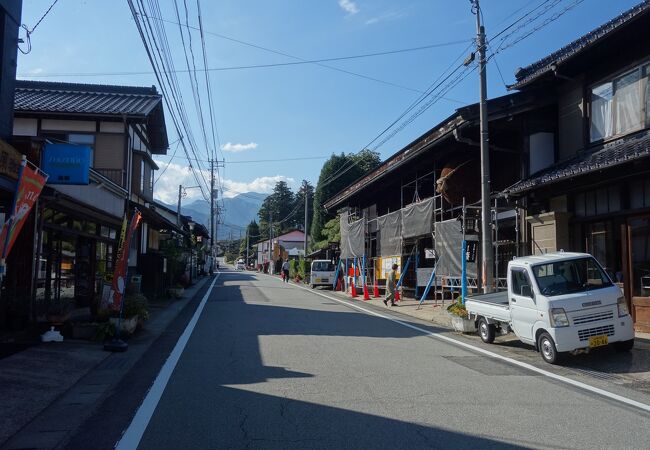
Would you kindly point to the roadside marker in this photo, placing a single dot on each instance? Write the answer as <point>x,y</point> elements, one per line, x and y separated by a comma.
<point>578,384</point>
<point>133,434</point>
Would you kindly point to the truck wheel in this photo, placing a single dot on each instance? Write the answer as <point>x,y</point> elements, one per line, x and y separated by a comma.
<point>311,286</point>
<point>547,348</point>
<point>486,331</point>
<point>624,346</point>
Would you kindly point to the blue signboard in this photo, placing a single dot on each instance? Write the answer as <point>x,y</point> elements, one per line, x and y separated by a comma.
<point>66,163</point>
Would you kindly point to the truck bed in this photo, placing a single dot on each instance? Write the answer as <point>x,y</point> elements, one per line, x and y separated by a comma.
<point>493,306</point>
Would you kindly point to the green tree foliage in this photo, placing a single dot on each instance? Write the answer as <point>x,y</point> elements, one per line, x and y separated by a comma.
<point>306,189</point>
<point>331,232</point>
<point>337,173</point>
<point>280,207</point>
<point>253,231</point>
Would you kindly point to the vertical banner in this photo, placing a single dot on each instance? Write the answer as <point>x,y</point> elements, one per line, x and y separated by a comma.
<point>121,266</point>
<point>30,185</point>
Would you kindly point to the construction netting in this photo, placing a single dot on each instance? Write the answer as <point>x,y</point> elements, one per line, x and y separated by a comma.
<point>353,238</point>
<point>390,234</point>
<point>449,242</point>
<point>417,218</point>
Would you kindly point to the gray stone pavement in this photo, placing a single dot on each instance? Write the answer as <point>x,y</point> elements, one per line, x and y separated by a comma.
<point>48,390</point>
<point>601,368</point>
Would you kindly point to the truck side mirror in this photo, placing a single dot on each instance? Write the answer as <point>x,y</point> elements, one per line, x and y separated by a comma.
<point>526,291</point>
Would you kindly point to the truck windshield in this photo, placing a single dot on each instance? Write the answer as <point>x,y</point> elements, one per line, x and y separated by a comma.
<point>573,275</point>
<point>323,266</point>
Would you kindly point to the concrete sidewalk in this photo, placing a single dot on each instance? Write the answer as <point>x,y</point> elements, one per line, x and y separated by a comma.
<point>48,390</point>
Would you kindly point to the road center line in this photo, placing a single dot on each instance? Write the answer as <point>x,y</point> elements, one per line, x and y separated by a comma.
<point>133,434</point>
<point>546,373</point>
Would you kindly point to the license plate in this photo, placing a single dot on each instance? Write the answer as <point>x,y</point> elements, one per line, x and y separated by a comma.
<point>598,341</point>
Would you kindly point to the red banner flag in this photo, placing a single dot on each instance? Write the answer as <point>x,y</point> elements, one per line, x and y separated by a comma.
<point>30,185</point>
<point>121,266</point>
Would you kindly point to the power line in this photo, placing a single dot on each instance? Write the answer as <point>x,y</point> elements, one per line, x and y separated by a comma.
<point>28,32</point>
<point>260,66</point>
<point>167,85</point>
<point>168,163</point>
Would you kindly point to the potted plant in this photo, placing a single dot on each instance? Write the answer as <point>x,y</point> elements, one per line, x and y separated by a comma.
<point>176,291</point>
<point>460,320</point>
<point>135,311</point>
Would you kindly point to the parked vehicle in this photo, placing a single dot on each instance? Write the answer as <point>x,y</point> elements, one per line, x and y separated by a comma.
<point>322,273</point>
<point>240,265</point>
<point>558,302</point>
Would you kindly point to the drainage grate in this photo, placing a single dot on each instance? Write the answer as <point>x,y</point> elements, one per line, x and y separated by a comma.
<point>489,366</point>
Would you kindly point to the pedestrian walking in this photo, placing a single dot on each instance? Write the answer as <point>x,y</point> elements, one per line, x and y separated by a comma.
<point>390,286</point>
<point>285,270</point>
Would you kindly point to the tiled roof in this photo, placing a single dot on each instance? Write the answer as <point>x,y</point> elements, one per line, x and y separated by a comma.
<point>609,155</point>
<point>539,68</point>
<point>72,98</point>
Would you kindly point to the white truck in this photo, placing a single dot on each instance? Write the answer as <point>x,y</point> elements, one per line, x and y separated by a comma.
<point>558,302</point>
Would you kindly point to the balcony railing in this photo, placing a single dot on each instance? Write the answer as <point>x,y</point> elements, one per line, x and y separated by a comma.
<point>117,176</point>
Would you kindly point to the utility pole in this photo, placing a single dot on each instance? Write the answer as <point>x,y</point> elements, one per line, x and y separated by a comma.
<point>246,246</point>
<point>270,238</point>
<point>486,223</point>
<point>178,211</point>
<point>212,235</point>
<point>306,204</point>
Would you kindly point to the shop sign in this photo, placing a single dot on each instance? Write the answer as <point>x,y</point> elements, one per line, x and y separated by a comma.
<point>470,251</point>
<point>67,163</point>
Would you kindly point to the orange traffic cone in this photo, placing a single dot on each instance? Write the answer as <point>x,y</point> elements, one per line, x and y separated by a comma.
<point>375,291</point>
<point>353,290</point>
<point>397,298</point>
<point>366,294</point>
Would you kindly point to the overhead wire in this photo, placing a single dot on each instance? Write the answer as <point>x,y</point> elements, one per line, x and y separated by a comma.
<point>462,76</point>
<point>166,86</point>
<point>168,60</point>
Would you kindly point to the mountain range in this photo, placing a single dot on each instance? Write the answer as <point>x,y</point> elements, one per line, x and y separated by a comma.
<point>237,213</point>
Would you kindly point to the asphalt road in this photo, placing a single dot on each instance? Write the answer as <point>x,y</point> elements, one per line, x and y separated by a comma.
<point>270,365</point>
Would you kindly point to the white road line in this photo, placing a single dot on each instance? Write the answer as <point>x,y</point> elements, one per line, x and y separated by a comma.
<point>546,373</point>
<point>133,434</point>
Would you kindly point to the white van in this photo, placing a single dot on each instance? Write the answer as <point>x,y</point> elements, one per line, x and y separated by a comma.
<point>322,273</point>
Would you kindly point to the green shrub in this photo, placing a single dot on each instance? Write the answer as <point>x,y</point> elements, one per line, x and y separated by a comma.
<point>293,268</point>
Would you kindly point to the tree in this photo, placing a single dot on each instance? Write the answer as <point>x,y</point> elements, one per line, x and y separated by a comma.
<point>281,207</point>
<point>331,232</point>
<point>253,231</point>
<point>306,189</point>
<point>337,173</point>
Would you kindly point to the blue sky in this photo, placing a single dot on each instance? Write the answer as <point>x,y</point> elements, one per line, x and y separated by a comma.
<point>296,111</point>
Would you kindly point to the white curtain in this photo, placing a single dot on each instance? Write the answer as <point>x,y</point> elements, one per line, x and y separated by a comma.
<point>628,102</point>
<point>602,125</point>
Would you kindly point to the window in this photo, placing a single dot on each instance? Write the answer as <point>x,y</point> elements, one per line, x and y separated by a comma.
<point>596,202</point>
<point>620,105</point>
<point>85,140</point>
<point>574,275</point>
<point>142,183</point>
<point>640,194</point>
<point>519,280</point>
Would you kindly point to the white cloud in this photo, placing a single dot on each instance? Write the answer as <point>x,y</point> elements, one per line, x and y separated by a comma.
<point>236,148</point>
<point>262,184</point>
<point>166,188</point>
<point>349,6</point>
<point>387,16</point>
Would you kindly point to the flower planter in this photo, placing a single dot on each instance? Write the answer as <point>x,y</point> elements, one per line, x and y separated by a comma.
<point>462,324</point>
<point>128,324</point>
